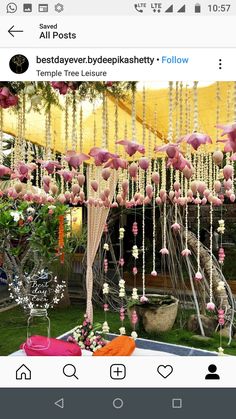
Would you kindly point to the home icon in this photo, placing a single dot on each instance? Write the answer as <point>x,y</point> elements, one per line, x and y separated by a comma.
<point>23,373</point>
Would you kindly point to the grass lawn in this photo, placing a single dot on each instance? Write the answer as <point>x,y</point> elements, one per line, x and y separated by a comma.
<point>13,329</point>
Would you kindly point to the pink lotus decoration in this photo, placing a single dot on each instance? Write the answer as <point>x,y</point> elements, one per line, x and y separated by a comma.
<point>131,147</point>
<point>101,155</point>
<point>198,276</point>
<point>154,273</point>
<point>230,141</point>
<point>164,251</point>
<point>75,159</point>
<point>61,86</point>
<point>196,139</point>
<point>144,163</point>
<point>171,149</point>
<point>143,299</point>
<point>176,227</point>
<point>178,162</point>
<point>46,183</point>
<point>210,306</point>
<point>66,174</point>
<point>229,130</point>
<point>116,163</point>
<point>7,99</point>
<point>4,170</point>
<point>23,171</point>
<point>186,252</point>
<point>50,165</point>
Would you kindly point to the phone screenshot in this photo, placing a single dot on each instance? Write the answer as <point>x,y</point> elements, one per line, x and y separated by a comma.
<point>117,209</point>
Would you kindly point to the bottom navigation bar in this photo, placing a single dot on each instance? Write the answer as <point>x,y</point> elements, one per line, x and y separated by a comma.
<point>126,403</point>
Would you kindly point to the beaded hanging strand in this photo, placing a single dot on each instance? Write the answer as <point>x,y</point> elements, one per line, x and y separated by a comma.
<point>1,135</point>
<point>163,193</point>
<point>74,117</point>
<point>121,269</point>
<point>154,272</point>
<point>142,176</point>
<point>106,288</point>
<point>198,275</point>
<point>186,251</point>
<point>135,251</point>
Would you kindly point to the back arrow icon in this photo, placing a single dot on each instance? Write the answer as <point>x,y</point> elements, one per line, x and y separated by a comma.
<point>60,403</point>
<point>12,30</point>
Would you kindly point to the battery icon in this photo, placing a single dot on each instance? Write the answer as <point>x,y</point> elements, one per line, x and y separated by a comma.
<point>197,8</point>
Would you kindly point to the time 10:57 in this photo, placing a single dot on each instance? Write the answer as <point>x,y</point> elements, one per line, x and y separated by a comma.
<point>223,8</point>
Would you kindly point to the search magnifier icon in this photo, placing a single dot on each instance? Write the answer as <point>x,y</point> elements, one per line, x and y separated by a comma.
<point>69,371</point>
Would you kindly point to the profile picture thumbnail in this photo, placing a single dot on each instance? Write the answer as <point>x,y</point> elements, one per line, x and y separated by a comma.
<point>19,64</point>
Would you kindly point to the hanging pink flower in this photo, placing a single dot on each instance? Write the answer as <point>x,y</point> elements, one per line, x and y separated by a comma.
<point>198,276</point>
<point>178,162</point>
<point>196,139</point>
<point>75,159</point>
<point>106,173</point>
<point>135,270</point>
<point>81,179</point>
<point>50,165</point>
<point>228,171</point>
<point>154,273</point>
<point>61,86</point>
<point>156,178</point>
<point>122,314</point>
<point>4,170</point>
<point>143,299</point>
<point>131,147</point>
<point>66,174</point>
<point>23,171</point>
<point>116,163</point>
<point>221,255</point>
<point>94,185</point>
<point>121,261</point>
<point>133,170</point>
<point>221,317</point>
<point>106,307</point>
<point>176,227</point>
<point>101,155</point>
<point>186,252</point>
<point>135,228</point>
<point>7,99</point>
<point>171,149</point>
<point>46,183</point>
<point>134,318</point>
<point>230,141</point>
<point>229,130</point>
<point>218,157</point>
<point>164,251</point>
<point>210,306</point>
<point>144,163</point>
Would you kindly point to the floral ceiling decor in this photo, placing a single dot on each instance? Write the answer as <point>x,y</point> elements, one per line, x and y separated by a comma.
<point>180,173</point>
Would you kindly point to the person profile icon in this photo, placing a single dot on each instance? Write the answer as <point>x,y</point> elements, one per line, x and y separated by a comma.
<point>212,370</point>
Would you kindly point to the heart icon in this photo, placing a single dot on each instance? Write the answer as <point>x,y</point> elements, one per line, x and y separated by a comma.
<point>165,370</point>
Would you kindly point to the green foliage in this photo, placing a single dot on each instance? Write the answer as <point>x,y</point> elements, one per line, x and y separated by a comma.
<point>34,227</point>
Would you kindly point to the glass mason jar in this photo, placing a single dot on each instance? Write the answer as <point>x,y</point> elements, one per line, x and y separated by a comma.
<point>38,325</point>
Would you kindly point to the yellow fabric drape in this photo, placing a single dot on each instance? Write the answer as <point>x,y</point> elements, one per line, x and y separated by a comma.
<point>156,99</point>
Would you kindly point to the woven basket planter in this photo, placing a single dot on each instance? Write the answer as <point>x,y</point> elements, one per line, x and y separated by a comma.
<point>159,318</point>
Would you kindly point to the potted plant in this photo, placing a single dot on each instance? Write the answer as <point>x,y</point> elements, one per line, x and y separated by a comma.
<point>157,314</point>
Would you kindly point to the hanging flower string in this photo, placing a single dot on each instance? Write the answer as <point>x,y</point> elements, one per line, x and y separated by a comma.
<point>106,288</point>
<point>121,270</point>
<point>61,239</point>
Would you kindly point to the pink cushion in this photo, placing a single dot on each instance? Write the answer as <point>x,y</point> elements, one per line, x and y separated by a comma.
<point>43,346</point>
